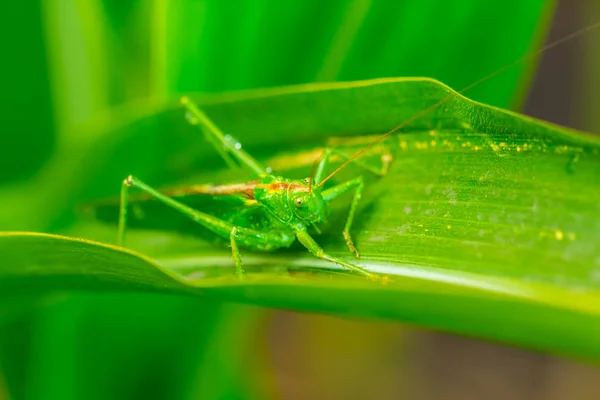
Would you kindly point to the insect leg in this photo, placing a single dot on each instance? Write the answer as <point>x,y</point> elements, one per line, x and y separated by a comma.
<point>328,152</point>
<point>320,171</point>
<point>250,238</point>
<point>317,251</point>
<point>123,212</point>
<point>336,191</point>
<point>226,141</point>
<point>237,258</point>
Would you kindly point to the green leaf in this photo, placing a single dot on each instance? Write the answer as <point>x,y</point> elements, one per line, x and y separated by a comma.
<point>487,221</point>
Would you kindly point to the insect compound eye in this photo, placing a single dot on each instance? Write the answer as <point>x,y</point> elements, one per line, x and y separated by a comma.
<point>307,180</point>
<point>298,202</point>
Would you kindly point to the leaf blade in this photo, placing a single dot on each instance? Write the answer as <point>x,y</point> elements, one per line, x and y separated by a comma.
<point>443,299</point>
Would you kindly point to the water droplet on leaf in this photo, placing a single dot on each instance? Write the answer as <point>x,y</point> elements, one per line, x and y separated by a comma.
<point>191,118</point>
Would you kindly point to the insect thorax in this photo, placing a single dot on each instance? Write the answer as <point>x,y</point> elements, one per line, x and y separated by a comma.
<point>290,201</point>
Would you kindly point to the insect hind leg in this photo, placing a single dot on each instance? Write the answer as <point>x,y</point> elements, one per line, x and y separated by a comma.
<point>250,238</point>
<point>226,145</point>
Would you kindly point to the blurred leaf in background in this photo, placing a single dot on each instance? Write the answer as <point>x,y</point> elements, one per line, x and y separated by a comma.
<point>27,117</point>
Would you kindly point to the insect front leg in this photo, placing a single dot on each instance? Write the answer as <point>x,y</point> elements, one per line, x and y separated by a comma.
<point>221,141</point>
<point>250,238</point>
<point>336,191</point>
<point>237,258</point>
<point>316,250</point>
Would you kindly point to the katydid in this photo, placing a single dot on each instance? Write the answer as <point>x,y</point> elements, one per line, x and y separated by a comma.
<point>275,211</point>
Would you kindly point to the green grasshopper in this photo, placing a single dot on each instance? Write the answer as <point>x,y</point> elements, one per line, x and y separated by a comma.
<point>275,211</point>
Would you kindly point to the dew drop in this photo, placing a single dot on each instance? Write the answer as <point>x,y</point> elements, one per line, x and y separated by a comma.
<point>191,118</point>
<point>269,170</point>
<point>559,234</point>
<point>237,145</point>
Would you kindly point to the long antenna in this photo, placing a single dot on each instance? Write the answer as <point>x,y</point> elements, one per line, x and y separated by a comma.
<point>472,85</point>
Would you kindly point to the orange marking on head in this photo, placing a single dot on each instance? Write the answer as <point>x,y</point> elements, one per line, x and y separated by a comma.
<point>276,186</point>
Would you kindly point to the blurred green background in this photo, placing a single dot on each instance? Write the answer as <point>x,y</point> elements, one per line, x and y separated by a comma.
<point>70,63</point>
